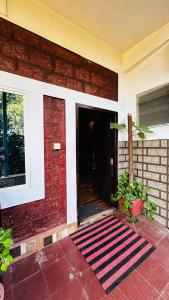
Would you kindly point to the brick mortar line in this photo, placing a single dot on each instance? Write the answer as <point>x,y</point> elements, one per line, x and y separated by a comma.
<point>167,221</point>
<point>153,179</point>
<point>158,198</point>
<point>142,163</point>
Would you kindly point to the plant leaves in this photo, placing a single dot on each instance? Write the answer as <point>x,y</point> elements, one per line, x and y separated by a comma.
<point>9,258</point>
<point>8,243</point>
<point>5,251</point>
<point>117,126</point>
<point>5,235</point>
<point>4,267</point>
<point>141,135</point>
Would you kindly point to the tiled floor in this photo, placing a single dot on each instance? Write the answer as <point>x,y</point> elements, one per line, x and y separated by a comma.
<point>59,272</point>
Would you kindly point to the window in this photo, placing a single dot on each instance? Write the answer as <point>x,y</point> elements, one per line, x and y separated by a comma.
<point>12,150</point>
<point>153,106</point>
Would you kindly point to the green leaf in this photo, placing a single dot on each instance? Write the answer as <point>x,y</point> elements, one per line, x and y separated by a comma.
<point>5,235</point>
<point>117,126</point>
<point>144,128</point>
<point>4,267</point>
<point>9,259</point>
<point>5,251</point>
<point>8,243</point>
<point>141,135</point>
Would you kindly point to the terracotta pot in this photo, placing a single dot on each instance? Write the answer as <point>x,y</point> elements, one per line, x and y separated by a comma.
<point>137,208</point>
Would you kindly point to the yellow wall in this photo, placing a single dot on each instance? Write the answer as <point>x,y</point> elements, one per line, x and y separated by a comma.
<point>145,48</point>
<point>36,17</point>
<point>3,7</point>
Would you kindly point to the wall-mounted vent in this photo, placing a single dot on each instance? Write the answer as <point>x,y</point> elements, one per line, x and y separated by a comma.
<point>153,106</point>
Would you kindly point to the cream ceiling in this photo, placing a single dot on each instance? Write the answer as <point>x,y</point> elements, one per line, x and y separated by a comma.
<point>121,23</point>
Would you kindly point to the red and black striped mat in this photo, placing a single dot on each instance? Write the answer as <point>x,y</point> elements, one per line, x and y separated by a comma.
<point>112,249</point>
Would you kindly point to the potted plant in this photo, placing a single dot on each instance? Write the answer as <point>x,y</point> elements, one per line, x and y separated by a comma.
<point>5,256</point>
<point>131,194</point>
<point>133,199</point>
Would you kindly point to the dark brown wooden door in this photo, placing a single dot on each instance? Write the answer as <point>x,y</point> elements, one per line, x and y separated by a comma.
<point>102,165</point>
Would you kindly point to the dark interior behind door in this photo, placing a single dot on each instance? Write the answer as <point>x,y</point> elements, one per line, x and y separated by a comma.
<point>97,150</point>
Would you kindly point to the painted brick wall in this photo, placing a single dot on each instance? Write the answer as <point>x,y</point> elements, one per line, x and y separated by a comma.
<point>27,54</point>
<point>35,217</point>
<point>151,166</point>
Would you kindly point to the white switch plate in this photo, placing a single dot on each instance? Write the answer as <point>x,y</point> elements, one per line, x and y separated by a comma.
<point>57,146</point>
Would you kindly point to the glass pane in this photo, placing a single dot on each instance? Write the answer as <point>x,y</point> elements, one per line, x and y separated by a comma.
<point>154,106</point>
<point>12,152</point>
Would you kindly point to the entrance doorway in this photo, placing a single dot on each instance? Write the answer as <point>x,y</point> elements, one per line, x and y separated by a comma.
<point>96,160</point>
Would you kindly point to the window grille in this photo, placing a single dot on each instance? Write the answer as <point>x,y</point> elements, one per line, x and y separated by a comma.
<point>153,106</point>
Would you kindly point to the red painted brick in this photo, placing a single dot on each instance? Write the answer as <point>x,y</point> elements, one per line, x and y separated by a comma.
<point>57,79</point>
<point>55,132</point>
<point>40,59</point>
<point>35,217</point>
<point>99,80</point>
<point>14,50</point>
<point>55,116</point>
<point>7,64</point>
<point>6,28</point>
<point>48,47</point>
<point>69,56</point>
<point>106,93</point>
<point>49,56</point>
<point>17,48</point>
<point>26,37</point>
<point>64,68</point>
<point>60,52</point>
<point>82,74</point>
<point>90,89</point>
<point>30,71</point>
<point>19,44</point>
<point>74,85</point>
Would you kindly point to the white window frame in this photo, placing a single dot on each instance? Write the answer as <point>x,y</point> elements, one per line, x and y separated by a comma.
<point>27,177</point>
<point>33,189</point>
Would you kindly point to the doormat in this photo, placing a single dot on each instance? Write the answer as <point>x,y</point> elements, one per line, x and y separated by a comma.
<point>89,209</point>
<point>112,249</point>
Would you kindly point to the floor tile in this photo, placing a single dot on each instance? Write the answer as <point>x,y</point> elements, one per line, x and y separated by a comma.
<point>87,277</point>
<point>32,288</point>
<point>77,261</point>
<point>8,294</point>
<point>7,278</point>
<point>24,268</point>
<point>72,291</point>
<point>50,254</point>
<point>116,294</point>
<point>135,287</point>
<point>154,231</point>
<point>165,293</point>
<point>58,274</point>
<point>147,267</point>
<point>165,241</point>
<point>159,278</point>
<point>67,245</point>
<point>94,290</point>
<point>161,255</point>
<point>142,223</point>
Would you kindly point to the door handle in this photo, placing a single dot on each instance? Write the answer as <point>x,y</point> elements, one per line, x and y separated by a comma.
<point>111,161</point>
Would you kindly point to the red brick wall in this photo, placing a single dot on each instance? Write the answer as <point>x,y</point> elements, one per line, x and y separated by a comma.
<point>35,217</point>
<point>27,54</point>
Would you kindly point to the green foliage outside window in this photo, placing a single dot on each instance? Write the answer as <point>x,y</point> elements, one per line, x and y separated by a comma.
<point>15,155</point>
